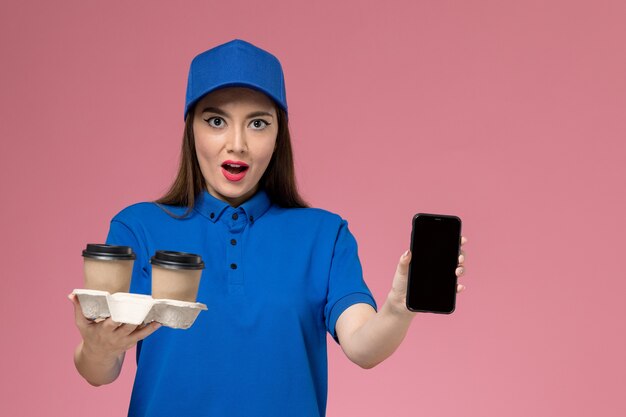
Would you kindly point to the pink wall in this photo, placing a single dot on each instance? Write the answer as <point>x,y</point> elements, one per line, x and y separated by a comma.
<point>510,114</point>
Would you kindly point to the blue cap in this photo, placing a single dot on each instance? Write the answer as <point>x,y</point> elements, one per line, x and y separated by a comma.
<point>235,64</point>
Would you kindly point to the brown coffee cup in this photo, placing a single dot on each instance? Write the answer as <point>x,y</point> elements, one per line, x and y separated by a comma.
<point>108,267</point>
<point>176,275</point>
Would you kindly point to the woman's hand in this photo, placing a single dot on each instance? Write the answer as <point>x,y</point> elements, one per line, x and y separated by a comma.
<point>400,280</point>
<point>99,356</point>
<point>107,338</point>
<point>460,270</point>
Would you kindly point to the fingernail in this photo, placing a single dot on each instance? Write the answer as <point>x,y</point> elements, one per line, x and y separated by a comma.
<point>405,254</point>
<point>69,296</point>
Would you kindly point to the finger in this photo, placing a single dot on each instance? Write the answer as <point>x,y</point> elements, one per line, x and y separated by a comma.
<point>460,271</point>
<point>460,288</point>
<point>110,325</point>
<point>463,240</point>
<point>403,265</point>
<point>81,320</point>
<point>125,329</point>
<point>461,259</point>
<point>144,332</point>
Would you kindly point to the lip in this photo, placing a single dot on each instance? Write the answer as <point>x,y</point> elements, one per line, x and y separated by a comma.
<point>228,161</point>
<point>234,177</point>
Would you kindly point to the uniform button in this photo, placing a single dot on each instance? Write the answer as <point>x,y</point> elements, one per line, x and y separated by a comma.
<point>233,266</point>
<point>212,215</point>
<point>233,242</point>
<point>235,216</point>
<point>251,219</point>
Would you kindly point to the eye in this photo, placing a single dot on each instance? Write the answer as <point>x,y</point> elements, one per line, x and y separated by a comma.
<point>218,122</point>
<point>259,124</point>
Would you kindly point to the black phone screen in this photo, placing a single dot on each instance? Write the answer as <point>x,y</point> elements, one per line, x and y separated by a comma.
<point>435,248</point>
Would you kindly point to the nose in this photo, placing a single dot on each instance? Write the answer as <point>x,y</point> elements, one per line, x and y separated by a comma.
<point>236,141</point>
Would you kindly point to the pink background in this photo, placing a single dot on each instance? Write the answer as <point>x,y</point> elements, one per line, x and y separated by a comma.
<point>509,114</point>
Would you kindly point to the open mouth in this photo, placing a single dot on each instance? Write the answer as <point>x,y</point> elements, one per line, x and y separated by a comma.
<point>234,168</point>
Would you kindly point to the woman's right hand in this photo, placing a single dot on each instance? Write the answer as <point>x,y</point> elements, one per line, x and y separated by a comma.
<point>100,355</point>
<point>108,338</point>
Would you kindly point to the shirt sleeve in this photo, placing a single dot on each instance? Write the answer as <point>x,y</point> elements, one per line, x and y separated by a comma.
<point>345,285</point>
<point>120,234</point>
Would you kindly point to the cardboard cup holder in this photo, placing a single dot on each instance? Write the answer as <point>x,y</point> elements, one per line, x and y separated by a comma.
<point>137,309</point>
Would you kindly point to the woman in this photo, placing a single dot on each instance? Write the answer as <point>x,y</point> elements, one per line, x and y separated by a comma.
<point>279,274</point>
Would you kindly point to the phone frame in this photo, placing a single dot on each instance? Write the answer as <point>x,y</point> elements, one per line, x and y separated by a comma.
<point>456,278</point>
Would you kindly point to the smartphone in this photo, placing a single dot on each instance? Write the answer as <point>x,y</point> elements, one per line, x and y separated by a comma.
<point>435,248</point>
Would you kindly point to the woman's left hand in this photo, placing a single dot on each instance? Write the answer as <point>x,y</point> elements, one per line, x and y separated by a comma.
<point>400,280</point>
<point>460,269</point>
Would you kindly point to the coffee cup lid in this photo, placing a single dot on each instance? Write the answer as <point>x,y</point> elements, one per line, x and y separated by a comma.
<point>108,252</point>
<point>177,260</point>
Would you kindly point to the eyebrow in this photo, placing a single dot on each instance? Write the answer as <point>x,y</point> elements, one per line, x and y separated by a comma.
<point>221,112</point>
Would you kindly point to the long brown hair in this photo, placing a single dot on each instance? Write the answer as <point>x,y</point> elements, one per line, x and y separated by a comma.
<point>279,178</point>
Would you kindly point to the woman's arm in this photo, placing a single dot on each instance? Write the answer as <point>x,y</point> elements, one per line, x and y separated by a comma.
<point>368,337</point>
<point>97,369</point>
<point>100,355</point>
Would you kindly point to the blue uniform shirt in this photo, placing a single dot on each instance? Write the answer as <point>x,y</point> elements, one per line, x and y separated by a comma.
<point>275,281</point>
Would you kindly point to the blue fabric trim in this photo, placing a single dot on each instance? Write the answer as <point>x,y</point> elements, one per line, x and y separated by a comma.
<point>342,304</point>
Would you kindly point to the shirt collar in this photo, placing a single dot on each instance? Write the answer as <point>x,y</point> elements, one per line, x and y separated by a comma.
<point>213,208</point>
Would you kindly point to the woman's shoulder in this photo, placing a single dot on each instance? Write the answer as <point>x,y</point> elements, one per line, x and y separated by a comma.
<point>146,211</point>
<point>311,215</point>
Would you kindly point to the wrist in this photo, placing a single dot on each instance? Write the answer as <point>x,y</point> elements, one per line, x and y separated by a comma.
<point>397,305</point>
<point>97,355</point>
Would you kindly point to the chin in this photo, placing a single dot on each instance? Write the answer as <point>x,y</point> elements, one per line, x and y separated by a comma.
<point>234,193</point>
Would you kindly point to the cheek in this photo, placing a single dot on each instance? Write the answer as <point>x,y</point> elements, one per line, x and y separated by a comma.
<point>204,148</point>
<point>200,152</point>
<point>270,147</point>
<point>270,150</point>
<point>205,158</point>
<point>267,154</point>
<point>202,142</point>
